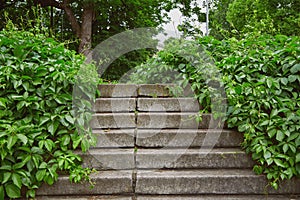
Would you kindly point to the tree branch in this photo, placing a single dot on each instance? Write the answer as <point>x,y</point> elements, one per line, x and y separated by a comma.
<point>71,17</point>
<point>65,5</point>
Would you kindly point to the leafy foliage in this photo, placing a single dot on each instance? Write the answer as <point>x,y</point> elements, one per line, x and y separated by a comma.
<point>37,126</point>
<point>185,64</point>
<point>261,76</point>
<point>280,17</point>
<point>108,19</point>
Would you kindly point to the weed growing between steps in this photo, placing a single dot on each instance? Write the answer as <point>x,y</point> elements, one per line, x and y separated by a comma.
<point>261,76</point>
<point>37,131</point>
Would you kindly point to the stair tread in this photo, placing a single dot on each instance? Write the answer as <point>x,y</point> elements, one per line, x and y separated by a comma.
<point>198,173</point>
<point>191,151</point>
<point>106,182</point>
<point>209,181</point>
<point>102,197</point>
<point>219,197</point>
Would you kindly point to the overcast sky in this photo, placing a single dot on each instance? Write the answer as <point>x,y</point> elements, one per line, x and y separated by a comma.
<point>171,27</point>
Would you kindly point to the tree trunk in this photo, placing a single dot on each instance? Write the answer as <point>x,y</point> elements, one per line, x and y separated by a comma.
<point>83,31</point>
<point>86,29</point>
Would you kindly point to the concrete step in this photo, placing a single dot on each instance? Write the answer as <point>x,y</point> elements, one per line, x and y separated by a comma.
<point>167,105</point>
<point>188,138</point>
<point>192,159</point>
<point>107,105</point>
<point>154,90</point>
<point>104,159</point>
<point>142,90</point>
<point>208,182</point>
<point>100,197</point>
<point>114,138</point>
<point>113,120</point>
<point>152,120</point>
<point>118,90</point>
<point>182,120</point>
<point>106,183</point>
<point>220,197</point>
<point>172,197</point>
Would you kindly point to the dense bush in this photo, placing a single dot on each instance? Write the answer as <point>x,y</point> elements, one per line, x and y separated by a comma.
<point>261,76</point>
<point>37,124</point>
<point>184,62</point>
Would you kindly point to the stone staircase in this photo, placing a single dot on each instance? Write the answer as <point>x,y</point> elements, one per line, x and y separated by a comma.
<point>151,147</point>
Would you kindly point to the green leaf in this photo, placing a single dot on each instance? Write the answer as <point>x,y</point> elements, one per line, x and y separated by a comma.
<point>274,185</point>
<point>20,105</point>
<point>49,144</point>
<point>279,163</point>
<point>298,158</point>
<point>269,83</point>
<point>43,120</point>
<point>274,113</point>
<point>40,174</point>
<point>5,167</point>
<point>272,133</point>
<point>292,78</point>
<point>238,90</point>
<point>267,155</point>
<point>295,69</point>
<point>284,81</point>
<point>65,140</point>
<point>3,102</point>
<point>49,180</point>
<point>280,135</point>
<point>12,191</point>
<point>70,119</point>
<point>1,192</point>
<point>293,148</point>
<point>23,138</point>
<point>85,145</point>
<point>52,127</point>
<point>285,148</point>
<point>297,142</point>
<point>11,141</point>
<point>17,180</point>
<point>6,177</point>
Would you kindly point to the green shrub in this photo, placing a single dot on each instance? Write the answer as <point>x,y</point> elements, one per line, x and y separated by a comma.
<point>185,62</point>
<point>37,124</point>
<point>261,76</point>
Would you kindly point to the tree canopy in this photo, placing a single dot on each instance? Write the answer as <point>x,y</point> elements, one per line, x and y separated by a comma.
<point>236,17</point>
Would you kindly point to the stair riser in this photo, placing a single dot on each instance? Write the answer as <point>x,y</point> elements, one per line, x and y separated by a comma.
<point>103,159</point>
<point>98,197</point>
<point>170,197</point>
<point>118,105</point>
<point>113,121</point>
<point>120,90</point>
<point>174,121</point>
<point>167,138</point>
<point>167,105</point>
<point>201,184</point>
<point>179,159</point>
<point>219,197</point>
<point>115,138</point>
<point>143,90</point>
<point>153,120</point>
<point>107,182</point>
<point>115,105</point>
<point>188,138</point>
<point>106,159</point>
